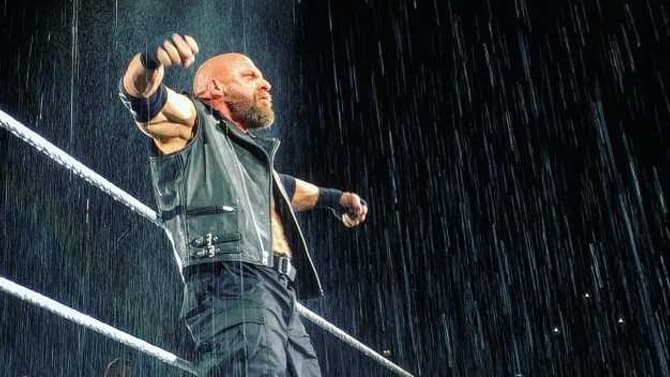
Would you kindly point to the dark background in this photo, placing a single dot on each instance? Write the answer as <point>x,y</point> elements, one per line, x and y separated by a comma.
<point>514,155</point>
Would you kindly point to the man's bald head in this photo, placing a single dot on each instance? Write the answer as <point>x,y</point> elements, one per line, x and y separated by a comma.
<point>232,84</point>
<point>217,67</point>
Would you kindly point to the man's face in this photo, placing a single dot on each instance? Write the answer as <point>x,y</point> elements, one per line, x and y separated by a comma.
<point>247,95</point>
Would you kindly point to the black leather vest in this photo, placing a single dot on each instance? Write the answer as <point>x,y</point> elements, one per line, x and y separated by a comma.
<point>214,198</point>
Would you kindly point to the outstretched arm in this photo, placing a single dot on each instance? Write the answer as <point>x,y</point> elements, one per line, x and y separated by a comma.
<point>307,196</point>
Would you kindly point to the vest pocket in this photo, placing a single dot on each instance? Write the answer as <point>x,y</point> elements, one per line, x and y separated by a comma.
<point>212,230</point>
<point>212,210</point>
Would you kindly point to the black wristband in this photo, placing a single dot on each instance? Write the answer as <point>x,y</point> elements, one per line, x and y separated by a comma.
<point>328,198</point>
<point>149,59</point>
<point>144,109</point>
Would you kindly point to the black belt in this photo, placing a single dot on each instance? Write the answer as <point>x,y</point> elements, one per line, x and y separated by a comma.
<point>283,265</point>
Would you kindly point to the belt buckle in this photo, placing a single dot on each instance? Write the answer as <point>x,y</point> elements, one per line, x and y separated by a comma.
<point>283,265</point>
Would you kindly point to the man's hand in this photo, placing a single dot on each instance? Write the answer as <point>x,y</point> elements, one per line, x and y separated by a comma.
<point>357,209</point>
<point>177,50</point>
<point>145,71</point>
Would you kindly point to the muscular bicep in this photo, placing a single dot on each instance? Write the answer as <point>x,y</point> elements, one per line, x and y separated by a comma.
<point>305,195</point>
<point>173,124</point>
<point>174,121</point>
<point>302,195</point>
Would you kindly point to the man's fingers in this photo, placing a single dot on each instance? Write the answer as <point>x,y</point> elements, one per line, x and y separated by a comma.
<point>177,49</point>
<point>163,57</point>
<point>356,205</point>
<point>358,208</point>
<point>183,48</point>
<point>192,43</point>
<point>360,217</point>
<point>347,220</point>
<point>172,52</point>
<point>350,221</point>
<point>361,208</point>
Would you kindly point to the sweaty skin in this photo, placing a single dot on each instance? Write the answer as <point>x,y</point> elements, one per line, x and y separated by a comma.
<point>279,243</point>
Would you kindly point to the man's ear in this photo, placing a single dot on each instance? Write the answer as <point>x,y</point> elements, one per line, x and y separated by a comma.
<point>216,89</point>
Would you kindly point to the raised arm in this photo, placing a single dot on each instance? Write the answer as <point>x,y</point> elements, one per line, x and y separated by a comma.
<point>161,113</point>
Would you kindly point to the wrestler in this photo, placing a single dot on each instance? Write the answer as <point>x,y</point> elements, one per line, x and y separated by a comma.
<point>229,215</point>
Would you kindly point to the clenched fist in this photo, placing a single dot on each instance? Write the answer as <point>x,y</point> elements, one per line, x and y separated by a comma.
<point>357,209</point>
<point>176,50</point>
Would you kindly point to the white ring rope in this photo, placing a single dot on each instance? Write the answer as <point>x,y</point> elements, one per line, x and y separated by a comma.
<point>96,180</point>
<point>350,340</point>
<point>70,163</point>
<point>91,323</point>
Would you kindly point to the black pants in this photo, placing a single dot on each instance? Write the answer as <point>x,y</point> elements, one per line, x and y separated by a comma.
<point>244,322</point>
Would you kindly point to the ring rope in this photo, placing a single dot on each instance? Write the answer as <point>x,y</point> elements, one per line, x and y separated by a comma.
<point>60,157</point>
<point>91,323</point>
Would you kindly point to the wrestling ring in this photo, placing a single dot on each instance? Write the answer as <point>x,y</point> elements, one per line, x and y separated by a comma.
<point>65,160</point>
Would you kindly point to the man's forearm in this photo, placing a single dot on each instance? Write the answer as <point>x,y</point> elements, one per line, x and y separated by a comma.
<point>349,207</point>
<point>139,81</point>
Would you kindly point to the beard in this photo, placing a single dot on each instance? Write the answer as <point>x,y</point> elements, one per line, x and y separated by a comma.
<point>251,115</point>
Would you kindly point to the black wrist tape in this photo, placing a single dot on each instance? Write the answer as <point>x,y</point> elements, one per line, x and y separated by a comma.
<point>149,59</point>
<point>328,198</point>
<point>144,109</point>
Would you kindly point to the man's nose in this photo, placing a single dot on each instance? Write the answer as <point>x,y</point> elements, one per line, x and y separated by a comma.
<point>265,84</point>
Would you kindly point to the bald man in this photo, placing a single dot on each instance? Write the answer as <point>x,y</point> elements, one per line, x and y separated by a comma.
<point>229,215</point>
